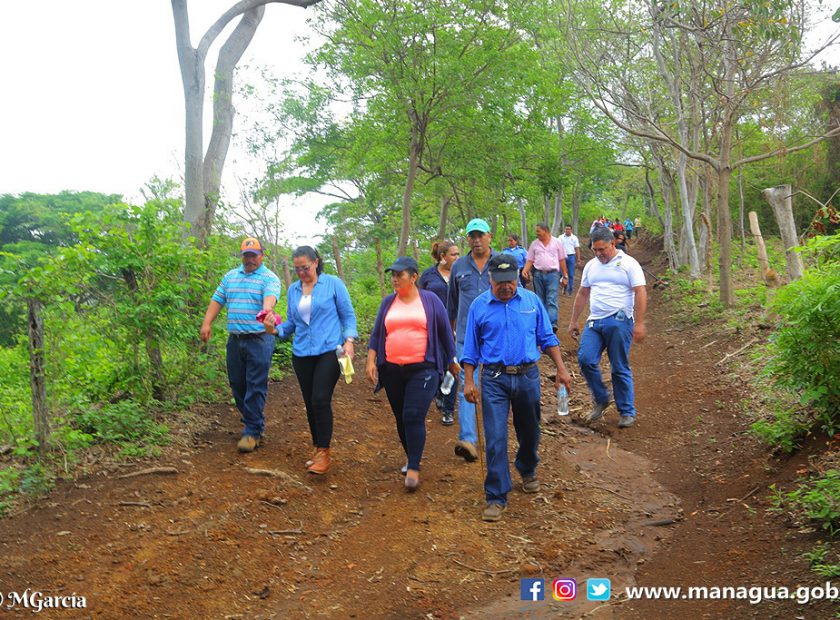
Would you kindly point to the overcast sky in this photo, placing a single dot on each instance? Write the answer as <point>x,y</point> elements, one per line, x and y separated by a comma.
<point>92,96</point>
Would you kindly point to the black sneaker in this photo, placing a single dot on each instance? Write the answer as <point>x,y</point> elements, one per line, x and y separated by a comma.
<point>448,419</point>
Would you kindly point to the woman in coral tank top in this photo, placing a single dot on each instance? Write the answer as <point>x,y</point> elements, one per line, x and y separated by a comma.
<point>411,348</point>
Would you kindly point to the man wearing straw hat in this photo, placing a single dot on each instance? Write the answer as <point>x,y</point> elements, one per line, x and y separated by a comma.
<point>506,328</point>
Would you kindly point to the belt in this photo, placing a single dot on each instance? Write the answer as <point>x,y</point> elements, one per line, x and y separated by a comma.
<point>247,336</point>
<point>519,369</point>
<point>548,270</point>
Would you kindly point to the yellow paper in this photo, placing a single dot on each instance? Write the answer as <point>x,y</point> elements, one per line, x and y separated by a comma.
<point>346,368</point>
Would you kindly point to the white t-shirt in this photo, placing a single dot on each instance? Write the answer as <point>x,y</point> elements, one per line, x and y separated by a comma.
<point>305,308</point>
<point>611,285</point>
<point>569,243</point>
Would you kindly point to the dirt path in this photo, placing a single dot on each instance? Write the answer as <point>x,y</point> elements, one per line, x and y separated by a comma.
<point>217,541</point>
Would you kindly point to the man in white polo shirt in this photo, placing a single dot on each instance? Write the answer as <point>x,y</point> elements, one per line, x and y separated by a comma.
<point>571,244</point>
<point>614,285</point>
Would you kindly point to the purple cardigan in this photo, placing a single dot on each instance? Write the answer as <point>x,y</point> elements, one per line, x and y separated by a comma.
<point>440,346</point>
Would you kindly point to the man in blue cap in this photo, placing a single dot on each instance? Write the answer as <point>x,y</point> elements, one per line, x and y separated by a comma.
<point>506,328</point>
<point>468,278</point>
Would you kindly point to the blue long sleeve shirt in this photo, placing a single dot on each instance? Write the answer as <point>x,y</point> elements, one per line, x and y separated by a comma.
<point>520,253</point>
<point>466,283</point>
<point>509,333</point>
<point>431,280</point>
<point>331,322</point>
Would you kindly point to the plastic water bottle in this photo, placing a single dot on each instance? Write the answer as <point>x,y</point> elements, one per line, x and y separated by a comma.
<point>562,401</point>
<point>448,382</point>
<point>339,350</point>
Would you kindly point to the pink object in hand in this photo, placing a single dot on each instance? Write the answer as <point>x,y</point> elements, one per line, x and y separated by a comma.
<point>264,313</point>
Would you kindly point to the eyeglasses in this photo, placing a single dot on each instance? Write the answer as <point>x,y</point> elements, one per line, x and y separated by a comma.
<point>303,269</point>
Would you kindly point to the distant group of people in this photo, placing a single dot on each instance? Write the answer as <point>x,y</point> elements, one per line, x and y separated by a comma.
<point>461,314</point>
<point>622,231</point>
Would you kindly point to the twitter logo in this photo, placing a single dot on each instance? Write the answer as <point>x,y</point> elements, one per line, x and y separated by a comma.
<point>598,589</point>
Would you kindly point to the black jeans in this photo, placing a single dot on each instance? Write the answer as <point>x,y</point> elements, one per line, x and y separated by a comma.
<point>317,375</point>
<point>410,391</point>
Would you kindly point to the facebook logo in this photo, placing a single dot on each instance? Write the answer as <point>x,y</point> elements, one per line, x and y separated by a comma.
<point>532,590</point>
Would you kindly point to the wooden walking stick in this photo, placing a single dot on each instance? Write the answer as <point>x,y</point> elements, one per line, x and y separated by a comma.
<point>479,413</point>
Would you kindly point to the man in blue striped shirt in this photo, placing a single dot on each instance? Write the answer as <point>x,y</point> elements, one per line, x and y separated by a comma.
<point>246,290</point>
<point>506,328</point>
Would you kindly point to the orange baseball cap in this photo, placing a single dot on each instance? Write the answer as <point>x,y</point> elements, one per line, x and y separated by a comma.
<point>250,245</point>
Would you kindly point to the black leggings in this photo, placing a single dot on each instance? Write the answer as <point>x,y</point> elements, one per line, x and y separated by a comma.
<point>317,375</point>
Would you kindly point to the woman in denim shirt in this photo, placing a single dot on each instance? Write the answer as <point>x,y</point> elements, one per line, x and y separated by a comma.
<point>321,317</point>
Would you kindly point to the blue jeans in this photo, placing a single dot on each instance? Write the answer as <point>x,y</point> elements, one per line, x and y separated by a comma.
<point>466,410</point>
<point>410,391</point>
<point>248,361</point>
<point>547,287</point>
<point>499,394</point>
<point>613,333</point>
<point>570,269</point>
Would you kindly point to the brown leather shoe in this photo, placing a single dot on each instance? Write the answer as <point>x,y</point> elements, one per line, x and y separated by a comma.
<point>248,443</point>
<point>311,461</point>
<point>321,464</point>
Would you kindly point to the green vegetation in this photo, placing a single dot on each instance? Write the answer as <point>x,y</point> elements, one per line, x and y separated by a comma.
<point>815,502</point>
<point>802,360</point>
<point>824,560</point>
<point>122,293</point>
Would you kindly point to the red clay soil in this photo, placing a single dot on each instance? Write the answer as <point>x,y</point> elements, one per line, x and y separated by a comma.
<point>677,500</point>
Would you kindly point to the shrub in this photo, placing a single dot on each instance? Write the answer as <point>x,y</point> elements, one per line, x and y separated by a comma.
<point>125,421</point>
<point>817,501</point>
<point>803,356</point>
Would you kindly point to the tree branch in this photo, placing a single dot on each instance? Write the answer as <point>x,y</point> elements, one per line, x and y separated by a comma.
<point>237,9</point>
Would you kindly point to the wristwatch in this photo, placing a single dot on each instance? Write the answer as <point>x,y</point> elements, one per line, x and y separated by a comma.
<point>350,339</point>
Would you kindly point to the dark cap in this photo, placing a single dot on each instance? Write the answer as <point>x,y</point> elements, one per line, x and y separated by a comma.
<point>503,267</point>
<point>404,263</point>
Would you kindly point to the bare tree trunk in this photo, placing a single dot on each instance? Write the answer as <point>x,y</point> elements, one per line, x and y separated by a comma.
<point>415,250</point>
<point>202,174</point>
<point>156,360</point>
<point>444,216</point>
<point>523,223</point>
<point>287,273</point>
<point>741,216</point>
<point>380,268</point>
<point>223,110</point>
<point>37,376</point>
<point>707,227</point>
<point>767,274</point>
<point>724,170</point>
<point>557,219</point>
<point>577,198</point>
<point>666,183</point>
<point>337,256</point>
<point>780,198</point>
<point>413,164</point>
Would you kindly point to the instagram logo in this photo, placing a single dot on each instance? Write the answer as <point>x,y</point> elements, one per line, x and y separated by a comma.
<point>564,589</point>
